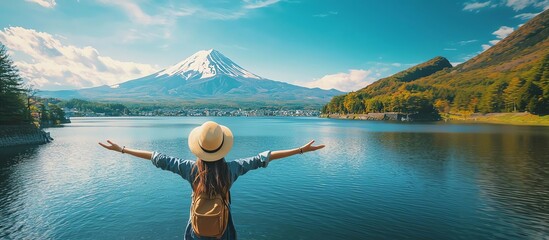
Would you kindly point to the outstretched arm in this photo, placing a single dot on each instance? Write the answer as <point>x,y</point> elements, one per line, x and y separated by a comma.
<point>138,153</point>
<point>286,153</point>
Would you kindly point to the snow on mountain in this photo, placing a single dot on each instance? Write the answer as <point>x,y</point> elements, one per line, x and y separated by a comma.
<point>206,64</point>
<point>208,77</point>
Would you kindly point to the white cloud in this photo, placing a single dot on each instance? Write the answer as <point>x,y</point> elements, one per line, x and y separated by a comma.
<point>450,49</point>
<point>323,15</point>
<point>500,34</point>
<point>516,5</point>
<point>223,14</point>
<point>135,12</point>
<point>543,4</point>
<point>526,16</point>
<point>519,4</point>
<point>44,3</point>
<point>50,64</point>
<point>472,6</point>
<point>503,32</point>
<point>346,82</point>
<point>253,4</point>
<point>467,42</point>
<point>522,4</point>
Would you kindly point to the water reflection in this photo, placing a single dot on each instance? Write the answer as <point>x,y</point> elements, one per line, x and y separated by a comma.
<point>513,172</point>
<point>14,165</point>
<point>373,180</point>
<point>510,171</point>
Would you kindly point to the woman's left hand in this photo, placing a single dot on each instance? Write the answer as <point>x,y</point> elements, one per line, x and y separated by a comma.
<point>112,146</point>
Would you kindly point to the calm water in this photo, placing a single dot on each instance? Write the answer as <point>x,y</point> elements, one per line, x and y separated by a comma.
<point>374,180</point>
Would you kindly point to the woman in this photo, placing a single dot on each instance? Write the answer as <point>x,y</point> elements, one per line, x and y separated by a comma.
<point>210,175</point>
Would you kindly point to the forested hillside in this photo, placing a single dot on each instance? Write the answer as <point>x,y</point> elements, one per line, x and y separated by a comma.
<point>511,76</point>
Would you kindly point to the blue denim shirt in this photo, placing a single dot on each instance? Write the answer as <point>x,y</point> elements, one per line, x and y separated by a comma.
<point>236,168</point>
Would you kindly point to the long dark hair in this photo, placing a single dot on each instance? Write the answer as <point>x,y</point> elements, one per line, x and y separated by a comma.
<point>211,178</point>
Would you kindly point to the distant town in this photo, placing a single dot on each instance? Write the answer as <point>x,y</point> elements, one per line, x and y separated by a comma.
<point>197,112</point>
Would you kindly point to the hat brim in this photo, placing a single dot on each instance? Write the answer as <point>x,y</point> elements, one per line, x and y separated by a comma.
<point>211,157</point>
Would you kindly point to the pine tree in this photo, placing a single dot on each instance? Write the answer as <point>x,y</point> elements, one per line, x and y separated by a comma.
<point>542,77</point>
<point>512,95</point>
<point>492,99</point>
<point>531,95</point>
<point>12,107</point>
<point>461,100</point>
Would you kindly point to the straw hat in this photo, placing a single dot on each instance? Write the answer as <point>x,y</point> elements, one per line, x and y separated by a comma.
<point>211,141</point>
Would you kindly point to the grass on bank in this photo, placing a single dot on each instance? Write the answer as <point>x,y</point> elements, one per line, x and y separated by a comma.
<point>522,118</point>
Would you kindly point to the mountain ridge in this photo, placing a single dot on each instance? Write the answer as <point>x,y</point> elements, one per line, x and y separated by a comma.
<point>512,75</point>
<point>205,75</point>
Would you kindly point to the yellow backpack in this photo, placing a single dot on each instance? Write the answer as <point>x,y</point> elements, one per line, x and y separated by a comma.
<point>209,215</point>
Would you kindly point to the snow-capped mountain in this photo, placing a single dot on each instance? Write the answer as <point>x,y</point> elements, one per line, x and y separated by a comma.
<point>204,76</point>
<point>206,64</point>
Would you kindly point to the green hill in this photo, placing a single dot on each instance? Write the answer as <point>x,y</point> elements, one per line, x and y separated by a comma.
<point>511,76</point>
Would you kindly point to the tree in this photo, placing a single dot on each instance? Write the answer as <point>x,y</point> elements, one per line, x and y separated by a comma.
<point>442,106</point>
<point>461,100</point>
<point>530,95</point>
<point>336,105</point>
<point>353,104</point>
<point>57,115</point>
<point>492,98</point>
<point>512,95</point>
<point>373,105</point>
<point>397,103</point>
<point>30,92</point>
<point>473,105</point>
<point>12,109</point>
<point>542,77</point>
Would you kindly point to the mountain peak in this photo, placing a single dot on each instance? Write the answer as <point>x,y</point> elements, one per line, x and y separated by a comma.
<point>422,70</point>
<point>206,64</point>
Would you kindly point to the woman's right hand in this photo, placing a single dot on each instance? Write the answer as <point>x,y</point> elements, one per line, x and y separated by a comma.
<point>309,147</point>
<point>112,146</point>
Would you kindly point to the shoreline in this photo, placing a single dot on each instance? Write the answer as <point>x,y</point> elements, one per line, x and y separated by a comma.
<point>152,116</point>
<point>24,134</point>
<point>518,119</point>
<point>387,116</point>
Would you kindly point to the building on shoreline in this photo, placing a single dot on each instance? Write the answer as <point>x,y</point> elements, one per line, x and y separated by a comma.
<point>201,112</point>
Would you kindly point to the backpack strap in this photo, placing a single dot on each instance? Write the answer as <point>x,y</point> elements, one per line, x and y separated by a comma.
<point>227,199</point>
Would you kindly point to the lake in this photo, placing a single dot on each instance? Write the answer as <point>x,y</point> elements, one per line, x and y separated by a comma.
<point>373,180</point>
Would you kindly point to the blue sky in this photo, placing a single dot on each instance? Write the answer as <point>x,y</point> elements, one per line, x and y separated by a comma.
<point>67,44</point>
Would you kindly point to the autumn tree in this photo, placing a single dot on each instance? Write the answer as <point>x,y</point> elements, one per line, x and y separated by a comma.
<point>374,105</point>
<point>336,105</point>
<point>442,106</point>
<point>353,104</point>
